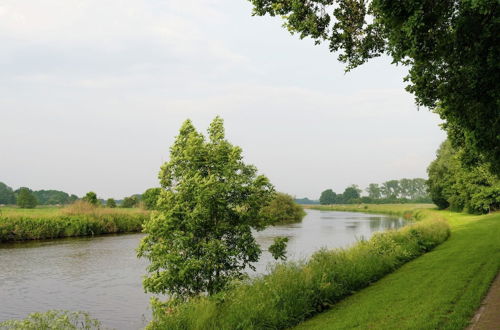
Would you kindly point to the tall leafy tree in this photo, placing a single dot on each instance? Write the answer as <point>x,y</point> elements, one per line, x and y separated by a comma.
<point>129,202</point>
<point>473,189</point>
<point>26,199</point>
<point>91,198</point>
<point>111,203</point>
<point>351,194</point>
<point>391,189</point>
<point>150,198</point>
<point>7,195</point>
<point>373,191</point>
<point>211,200</point>
<point>451,48</point>
<point>328,197</point>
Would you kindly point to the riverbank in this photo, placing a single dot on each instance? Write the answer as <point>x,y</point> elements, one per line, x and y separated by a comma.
<point>50,223</point>
<point>295,291</point>
<point>439,290</point>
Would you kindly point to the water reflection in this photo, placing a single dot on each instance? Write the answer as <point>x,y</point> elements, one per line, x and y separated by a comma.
<point>102,275</point>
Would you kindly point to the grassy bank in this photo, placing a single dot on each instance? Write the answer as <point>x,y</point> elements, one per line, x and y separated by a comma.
<point>47,223</point>
<point>400,210</point>
<point>440,290</point>
<point>293,292</point>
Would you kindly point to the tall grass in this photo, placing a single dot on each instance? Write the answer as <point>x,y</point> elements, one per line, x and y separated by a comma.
<point>79,219</point>
<point>295,291</point>
<point>53,320</point>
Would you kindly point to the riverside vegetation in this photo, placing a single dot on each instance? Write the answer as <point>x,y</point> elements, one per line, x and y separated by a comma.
<point>439,290</point>
<point>293,292</point>
<point>78,219</point>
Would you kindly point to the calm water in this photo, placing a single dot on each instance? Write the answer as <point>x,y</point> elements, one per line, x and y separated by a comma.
<point>103,276</point>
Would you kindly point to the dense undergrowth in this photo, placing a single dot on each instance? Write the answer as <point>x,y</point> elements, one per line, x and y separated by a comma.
<point>294,291</point>
<point>53,320</point>
<point>67,222</point>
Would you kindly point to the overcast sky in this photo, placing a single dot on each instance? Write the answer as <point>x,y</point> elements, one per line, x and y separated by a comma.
<point>93,92</point>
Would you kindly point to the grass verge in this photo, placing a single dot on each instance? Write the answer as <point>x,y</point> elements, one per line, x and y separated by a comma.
<point>293,292</point>
<point>440,290</point>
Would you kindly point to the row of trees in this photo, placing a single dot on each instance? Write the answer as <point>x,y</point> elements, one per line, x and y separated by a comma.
<point>8,196</point>
<point>147,200</point>
<point>473,188</point>
<point>392,191</point>
<point>26,198</point>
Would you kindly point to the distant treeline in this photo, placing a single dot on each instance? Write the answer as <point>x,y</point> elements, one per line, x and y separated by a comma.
<point>306,201</point>
<point>392,191</point>
<point>8,196</point>
<point>26,198</point>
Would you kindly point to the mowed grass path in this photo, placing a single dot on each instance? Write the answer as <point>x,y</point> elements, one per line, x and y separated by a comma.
<point>439,290</point>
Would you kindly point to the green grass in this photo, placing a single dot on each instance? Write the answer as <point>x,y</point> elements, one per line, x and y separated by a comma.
<point>389,209</point>
<point>295,291</point>
<point>49,223</point>
<point>439,290</point>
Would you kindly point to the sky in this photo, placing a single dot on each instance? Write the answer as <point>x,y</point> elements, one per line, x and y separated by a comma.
<point>93,93</point>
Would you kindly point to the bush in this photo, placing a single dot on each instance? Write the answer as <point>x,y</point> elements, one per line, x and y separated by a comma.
<point>53,320</point>
<point>295,291</point>
<point>283,209</point>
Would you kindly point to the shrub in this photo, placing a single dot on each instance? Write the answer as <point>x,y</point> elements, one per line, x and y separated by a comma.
<point>53,320</point>
<point>283,209</point>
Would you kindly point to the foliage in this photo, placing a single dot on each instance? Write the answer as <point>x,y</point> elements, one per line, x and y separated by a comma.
<point>295,291</point>
<point>278,248</point>
<point>91,198</point>
<point>150,198</point>
<point>440,290</point>
<point>53,320</point>
<point>87,221</point>
<point>7,195</point>
<point>111,203</point>
<point>374,191</point>
<point>389,192</point>
<point>327,197</point>
<point>451,48</point>
<point>54,197</point>
<point>25,198</point>
<point>351,194</point>
<point>131,201</point>
<point>474,189</point>
<point>283,209</point>
<point>306,200</point>
<point>210,201</point>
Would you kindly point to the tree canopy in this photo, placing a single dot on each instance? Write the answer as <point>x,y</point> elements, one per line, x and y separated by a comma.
<point>150,198</point>
<point>111,203</point>
<point>473,189</point>
<point>25,198</point>
<point>451,48</point>
<point>91,198</point>
<point>7,195</point>
<point>327,197</point>
<point>201,237</point>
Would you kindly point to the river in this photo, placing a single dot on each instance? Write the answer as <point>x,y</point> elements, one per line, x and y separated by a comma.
<point>102,275</point>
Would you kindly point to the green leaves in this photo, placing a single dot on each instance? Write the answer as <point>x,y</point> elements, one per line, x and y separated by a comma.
<point>278,248</point>
<point>451,47</point>
<point>210,200</point>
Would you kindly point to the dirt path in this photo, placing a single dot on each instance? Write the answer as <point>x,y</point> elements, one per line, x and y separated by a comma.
<point>488,315</point>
